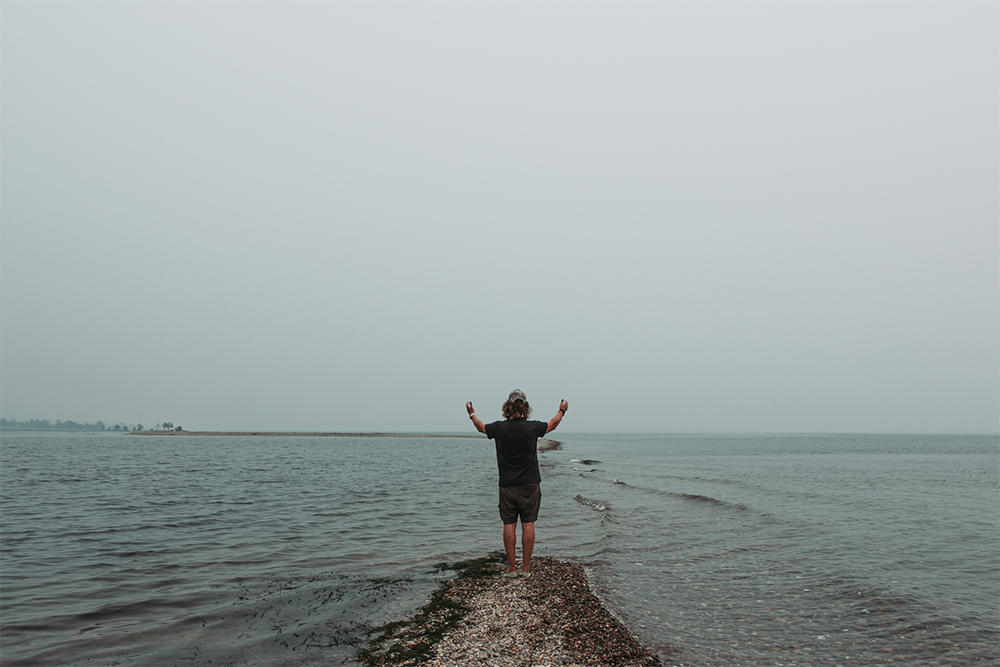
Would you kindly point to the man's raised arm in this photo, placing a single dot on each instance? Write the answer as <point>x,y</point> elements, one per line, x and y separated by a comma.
<point>480,426</point>
<point>563,407</point>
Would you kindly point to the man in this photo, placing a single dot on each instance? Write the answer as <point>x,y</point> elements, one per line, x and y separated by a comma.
<point>516,441</point>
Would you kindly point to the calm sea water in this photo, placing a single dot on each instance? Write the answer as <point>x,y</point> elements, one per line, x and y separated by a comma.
<point>714,550</point>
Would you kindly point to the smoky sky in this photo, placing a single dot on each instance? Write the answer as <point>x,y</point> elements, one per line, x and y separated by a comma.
<point>357,216</point>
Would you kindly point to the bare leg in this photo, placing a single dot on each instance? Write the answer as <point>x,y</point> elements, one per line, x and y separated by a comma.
<point>509,540</point>
<point>527,545</point>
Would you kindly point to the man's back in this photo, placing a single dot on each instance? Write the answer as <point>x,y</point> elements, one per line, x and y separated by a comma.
<point>516,443</point>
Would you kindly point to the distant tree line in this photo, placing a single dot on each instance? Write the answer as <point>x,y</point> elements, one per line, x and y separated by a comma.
<point>74,426</point>
<point>45,423</point>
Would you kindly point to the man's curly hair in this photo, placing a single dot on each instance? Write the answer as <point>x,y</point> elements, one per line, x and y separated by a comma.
<point>516,410</point>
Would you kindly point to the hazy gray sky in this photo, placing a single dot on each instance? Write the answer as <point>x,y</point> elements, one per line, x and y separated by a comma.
<point>678,216</point>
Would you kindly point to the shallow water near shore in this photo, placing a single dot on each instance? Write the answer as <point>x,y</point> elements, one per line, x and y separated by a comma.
<point>765,550</point>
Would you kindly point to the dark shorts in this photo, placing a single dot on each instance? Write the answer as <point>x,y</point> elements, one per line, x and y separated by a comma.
<point>522,501</point>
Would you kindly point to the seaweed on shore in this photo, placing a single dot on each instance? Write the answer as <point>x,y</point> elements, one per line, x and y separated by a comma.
<point>410,642</point>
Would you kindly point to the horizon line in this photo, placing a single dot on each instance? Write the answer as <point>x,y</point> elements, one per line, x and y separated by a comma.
<point>439,433</point>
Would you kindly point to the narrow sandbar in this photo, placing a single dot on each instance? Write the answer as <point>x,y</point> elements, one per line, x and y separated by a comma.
<point>483,618</point>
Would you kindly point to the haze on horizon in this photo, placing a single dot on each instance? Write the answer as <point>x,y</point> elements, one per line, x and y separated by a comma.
<point>679,217</point>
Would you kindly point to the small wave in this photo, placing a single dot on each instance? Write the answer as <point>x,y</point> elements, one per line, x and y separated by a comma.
<point>711,501</point>
<point>586,462</point>
<point>585,469</point>
<point>600,507</point>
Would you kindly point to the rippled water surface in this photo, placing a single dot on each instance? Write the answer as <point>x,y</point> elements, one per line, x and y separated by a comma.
<point>766,550</point>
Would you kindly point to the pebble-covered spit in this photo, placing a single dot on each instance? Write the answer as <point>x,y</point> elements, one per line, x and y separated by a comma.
<point>484,619</point>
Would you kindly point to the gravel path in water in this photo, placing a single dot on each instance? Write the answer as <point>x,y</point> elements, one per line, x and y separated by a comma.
<point>484,619</point>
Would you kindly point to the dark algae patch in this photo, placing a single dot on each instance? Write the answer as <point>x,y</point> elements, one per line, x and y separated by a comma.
<point>411,642</point>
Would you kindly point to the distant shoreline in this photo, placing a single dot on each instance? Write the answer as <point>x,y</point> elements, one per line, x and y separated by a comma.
<point>544,444</point>
<point>308,434</point>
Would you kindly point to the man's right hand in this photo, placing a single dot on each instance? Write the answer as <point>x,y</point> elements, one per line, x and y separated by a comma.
<point>476,421</point>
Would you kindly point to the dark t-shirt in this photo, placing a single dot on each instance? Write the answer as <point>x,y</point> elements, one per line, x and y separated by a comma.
<point>516,441</point>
